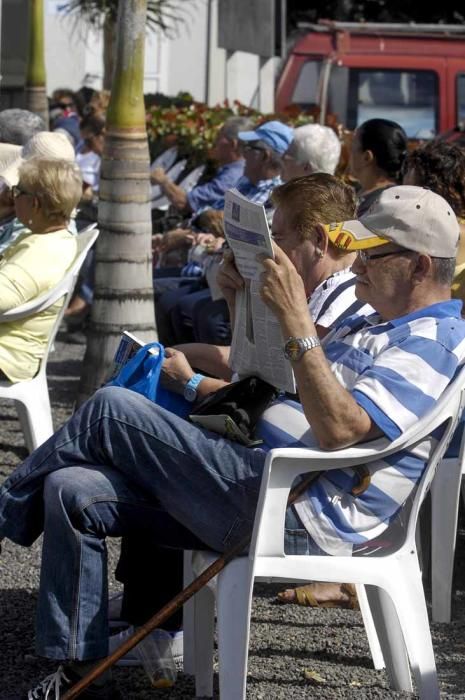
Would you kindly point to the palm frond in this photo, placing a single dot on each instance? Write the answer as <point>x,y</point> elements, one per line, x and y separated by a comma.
<point>164,15</point>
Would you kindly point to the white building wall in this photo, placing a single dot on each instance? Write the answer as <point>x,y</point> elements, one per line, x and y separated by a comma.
<point>66,49</point>
<point>172,65</point>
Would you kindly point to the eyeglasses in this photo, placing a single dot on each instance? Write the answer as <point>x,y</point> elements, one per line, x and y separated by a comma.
<point>289,156</point>
<point>365,257</point>
<point>17,191</point>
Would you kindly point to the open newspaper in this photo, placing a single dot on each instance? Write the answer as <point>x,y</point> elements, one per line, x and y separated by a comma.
<point>257,343</point>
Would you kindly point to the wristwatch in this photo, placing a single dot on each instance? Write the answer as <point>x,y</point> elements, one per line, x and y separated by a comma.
<point>294,348</point>
<point>190,388</point>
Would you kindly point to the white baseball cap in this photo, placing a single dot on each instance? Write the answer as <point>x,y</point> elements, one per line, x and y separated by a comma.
<point>413,217</point>
<point>44,144</point>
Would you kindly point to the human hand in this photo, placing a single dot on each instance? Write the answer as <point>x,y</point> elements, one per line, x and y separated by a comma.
<point>206,240</point>
<point>228,278</point>
<point>282,288</point>
<point>157,240</point>
<point>158,176</point>
<point>176,371</point>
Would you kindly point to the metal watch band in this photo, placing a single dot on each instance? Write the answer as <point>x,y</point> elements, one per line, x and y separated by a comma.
<point>296,347</point>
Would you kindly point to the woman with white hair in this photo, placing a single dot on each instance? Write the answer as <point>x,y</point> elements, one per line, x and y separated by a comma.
<point>43,144</point>
<point>47,192</point>
<point>315,148</point>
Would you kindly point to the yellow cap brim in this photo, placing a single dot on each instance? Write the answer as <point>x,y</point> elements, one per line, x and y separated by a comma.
<point>353,235</point>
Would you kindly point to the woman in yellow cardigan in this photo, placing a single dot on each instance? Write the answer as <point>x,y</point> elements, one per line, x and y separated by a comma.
<point>47,193</point>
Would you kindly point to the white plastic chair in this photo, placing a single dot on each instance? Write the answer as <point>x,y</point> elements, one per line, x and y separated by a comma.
<point>392,580</point>
<point>187,183</point>
<point>166,159</point>
<point>158,198</point>
<point>31,396</point>
<point>445,497</point>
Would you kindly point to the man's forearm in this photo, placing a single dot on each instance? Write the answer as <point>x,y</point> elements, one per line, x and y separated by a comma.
<point>208,358</point>
<point>335,417</point>
<point>175,194</point>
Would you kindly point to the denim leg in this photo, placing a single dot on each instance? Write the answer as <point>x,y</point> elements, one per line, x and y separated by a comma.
<point>146,589</point>
<point>83,505</point>
<point>205,482</point>
<point>211,323</point>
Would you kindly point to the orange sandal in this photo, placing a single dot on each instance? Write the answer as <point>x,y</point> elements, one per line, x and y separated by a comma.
<point>305,597</point>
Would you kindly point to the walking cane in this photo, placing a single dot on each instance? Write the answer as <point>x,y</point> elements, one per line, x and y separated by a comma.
<point>175,603</point>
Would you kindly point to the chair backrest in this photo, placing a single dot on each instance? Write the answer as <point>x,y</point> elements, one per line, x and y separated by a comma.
<point>65,288</point>
<point>453,401</point>
<point>192,178</point>
<point>166,159</point>
<point>84,240</point>
<point>283,466</point>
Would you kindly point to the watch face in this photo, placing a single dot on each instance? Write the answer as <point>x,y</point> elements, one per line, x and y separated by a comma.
<point>190,394</point>
<point>293,348</point>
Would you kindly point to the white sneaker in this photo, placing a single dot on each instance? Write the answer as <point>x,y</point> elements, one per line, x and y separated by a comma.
<point>131,658</point>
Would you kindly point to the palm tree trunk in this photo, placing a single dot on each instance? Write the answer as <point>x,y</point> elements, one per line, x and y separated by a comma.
<point>35,90</point>
<point>123,298</point>
<point>109,45</point>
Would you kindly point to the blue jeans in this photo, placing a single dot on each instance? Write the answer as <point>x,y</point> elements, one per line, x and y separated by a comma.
<point>122,465</point>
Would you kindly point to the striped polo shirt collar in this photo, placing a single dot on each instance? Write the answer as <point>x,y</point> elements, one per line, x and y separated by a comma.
<point>452,308</point>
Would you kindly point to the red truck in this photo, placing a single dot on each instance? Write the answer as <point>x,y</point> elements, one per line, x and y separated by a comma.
<point>413,74</point>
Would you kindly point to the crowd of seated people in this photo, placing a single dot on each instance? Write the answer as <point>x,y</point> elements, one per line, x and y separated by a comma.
<point>162,478</point>
<point>24,136</point>
<point>315,288</point>
<point>190,312</point>
<point>181,311</point>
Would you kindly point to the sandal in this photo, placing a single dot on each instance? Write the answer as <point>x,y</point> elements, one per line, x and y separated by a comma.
<point>305,597</point>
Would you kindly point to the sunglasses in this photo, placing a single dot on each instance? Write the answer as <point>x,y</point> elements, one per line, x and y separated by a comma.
<point>250,147</point>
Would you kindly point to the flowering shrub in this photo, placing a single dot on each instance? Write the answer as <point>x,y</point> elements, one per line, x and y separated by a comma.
<point>193,126</point>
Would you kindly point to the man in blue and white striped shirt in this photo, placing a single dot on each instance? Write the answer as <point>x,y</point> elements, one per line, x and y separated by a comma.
<point>124,465</point>
<point>376,375</point>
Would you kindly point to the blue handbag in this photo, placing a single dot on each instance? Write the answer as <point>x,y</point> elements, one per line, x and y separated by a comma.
<point>142,374</point>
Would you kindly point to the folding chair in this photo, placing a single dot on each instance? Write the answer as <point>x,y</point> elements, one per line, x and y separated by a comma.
<point>392,579</point>
<point>31,396</point>
<point>166,159</point>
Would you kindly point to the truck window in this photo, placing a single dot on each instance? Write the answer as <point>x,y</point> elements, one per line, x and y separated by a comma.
<point>407,97</point>
<point>306,89</point>
<point>460,97</point>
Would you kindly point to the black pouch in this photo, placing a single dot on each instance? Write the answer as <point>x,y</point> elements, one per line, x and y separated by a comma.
<point>234,410</point>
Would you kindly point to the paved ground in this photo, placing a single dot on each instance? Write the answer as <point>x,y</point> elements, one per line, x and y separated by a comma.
<point>286,640</point>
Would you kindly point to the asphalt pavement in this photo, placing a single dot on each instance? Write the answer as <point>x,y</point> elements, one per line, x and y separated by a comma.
<point>289,645</point>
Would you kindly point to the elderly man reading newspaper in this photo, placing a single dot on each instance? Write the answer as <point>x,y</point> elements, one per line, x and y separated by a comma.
<point>122,462</point>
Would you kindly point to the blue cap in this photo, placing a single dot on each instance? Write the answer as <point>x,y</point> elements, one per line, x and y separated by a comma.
<point>276,135</point>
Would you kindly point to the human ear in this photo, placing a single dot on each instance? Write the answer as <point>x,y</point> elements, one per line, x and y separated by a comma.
<point>422,268</point>
<point>320,240</point>
<point>368,157</point>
